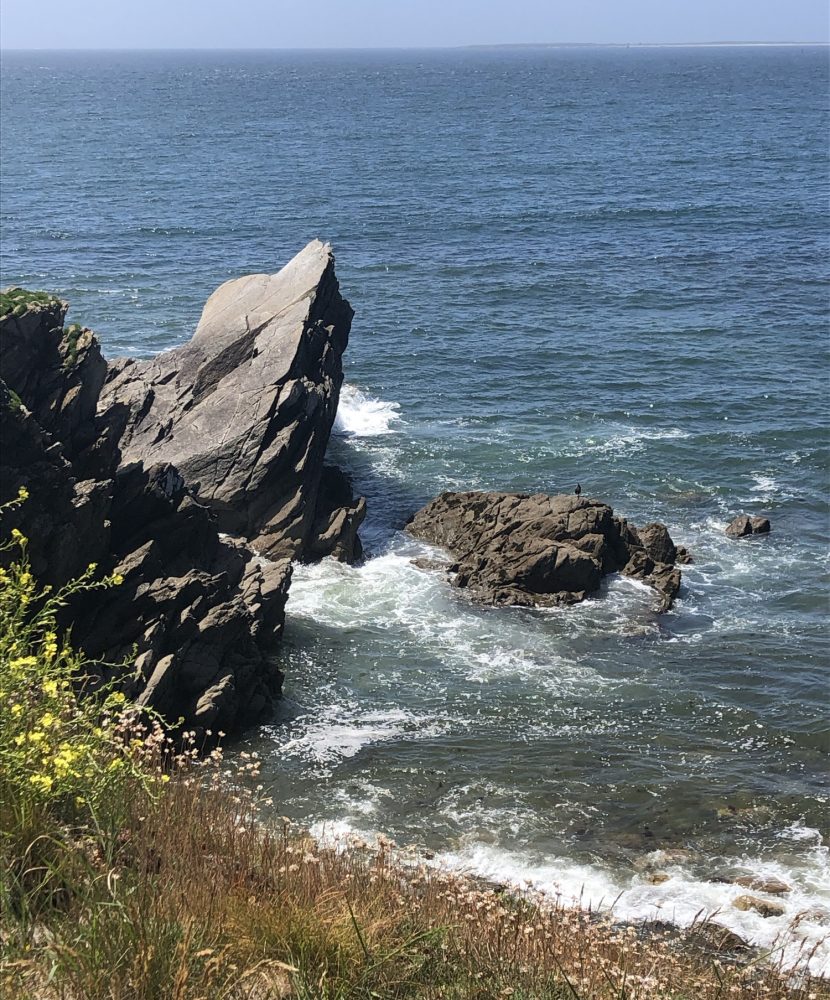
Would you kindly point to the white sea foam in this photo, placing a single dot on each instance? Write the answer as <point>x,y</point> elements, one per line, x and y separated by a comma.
<point>616,439</point>
<point>682,899</point>
<point>339,732</point>
<point>361,415</point>
<point>766,488</point>
<point>391,594</point>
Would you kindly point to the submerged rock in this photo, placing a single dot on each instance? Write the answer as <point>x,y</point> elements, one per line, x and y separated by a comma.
<point>245,409</point>
<point>773,886</point>
<point>514,548</point>
<point>744,525</point>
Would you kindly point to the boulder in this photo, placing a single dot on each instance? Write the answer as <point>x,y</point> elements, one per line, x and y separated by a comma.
<point>773,886</point>
<point>657,542</point>
<point>765,907</point>
<point>522,549</point>
<point>245,409</point>
<point>716,938</point>
<point>744,525</point>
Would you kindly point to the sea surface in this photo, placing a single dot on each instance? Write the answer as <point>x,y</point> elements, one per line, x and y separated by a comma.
<point>598,265</point>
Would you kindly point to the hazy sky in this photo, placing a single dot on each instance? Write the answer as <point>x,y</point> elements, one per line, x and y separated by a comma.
<point>369,23</point>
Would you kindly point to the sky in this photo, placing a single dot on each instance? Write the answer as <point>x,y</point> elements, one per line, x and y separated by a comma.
<point>401,23</point>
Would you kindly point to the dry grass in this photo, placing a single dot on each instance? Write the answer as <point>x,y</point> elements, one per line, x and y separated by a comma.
<point>195,896</point>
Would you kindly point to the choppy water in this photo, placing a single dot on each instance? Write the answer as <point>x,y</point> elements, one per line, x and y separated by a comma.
<point>598,265</point>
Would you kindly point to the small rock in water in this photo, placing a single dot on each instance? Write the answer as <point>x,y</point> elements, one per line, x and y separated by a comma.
<point>421,562</point>
<point>763,906</point>
<point>774,886</point>
<point>657,878</point>
<point>659,858</point>
<point>744,525</point>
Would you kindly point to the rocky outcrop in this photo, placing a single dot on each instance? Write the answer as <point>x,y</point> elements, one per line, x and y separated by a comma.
<point>514,548</point>
<point>245,409</point>
<point>197,618</point>
<point>143,467</point>
<point>744,525</point>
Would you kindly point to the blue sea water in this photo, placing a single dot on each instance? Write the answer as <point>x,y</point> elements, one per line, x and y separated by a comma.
<point>568,264</point>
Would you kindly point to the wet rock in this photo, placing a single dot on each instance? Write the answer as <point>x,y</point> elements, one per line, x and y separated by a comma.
<point>684,557</point>
<point>816,914</point>
<point>662,857</point>
<point>717,938</point>
<point>245,409</point>
<point>657,878</point>
<point>657,542</point>
<point>421,562</point>
<point>514,548</point>
<point>744,525</point>
<point>773,886</point>
<point>763,906</point>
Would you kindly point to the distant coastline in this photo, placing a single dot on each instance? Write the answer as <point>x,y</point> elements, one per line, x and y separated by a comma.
<point>645,45</point>
<point>480,46</point>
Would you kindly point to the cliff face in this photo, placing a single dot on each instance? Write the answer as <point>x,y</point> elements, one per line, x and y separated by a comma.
<point>139,467</point>
<point>244,411</point>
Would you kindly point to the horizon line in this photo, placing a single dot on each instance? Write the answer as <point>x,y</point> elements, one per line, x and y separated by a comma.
<point>420,48</point>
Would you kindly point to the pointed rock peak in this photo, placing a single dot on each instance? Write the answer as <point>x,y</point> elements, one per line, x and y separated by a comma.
<point>244,304</point>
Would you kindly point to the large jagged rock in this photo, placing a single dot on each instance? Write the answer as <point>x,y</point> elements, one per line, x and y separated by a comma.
<point>245,409</point>
<point>203,615</point>
<point>514,548</point>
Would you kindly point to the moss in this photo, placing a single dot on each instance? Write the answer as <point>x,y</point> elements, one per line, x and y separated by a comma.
<point>15,402</point>
<point>17,301</point>
<point>71,336</point>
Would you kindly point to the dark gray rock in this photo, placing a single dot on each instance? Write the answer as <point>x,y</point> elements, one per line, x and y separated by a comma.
<point>199,617</point>
<point>744,525</point>
<point>657,542</point>
<point>513,548</point>
<point>245,409</point>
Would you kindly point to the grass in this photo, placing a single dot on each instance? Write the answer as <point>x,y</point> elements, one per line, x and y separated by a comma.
<point>133,868</point>
<point>17,301</point>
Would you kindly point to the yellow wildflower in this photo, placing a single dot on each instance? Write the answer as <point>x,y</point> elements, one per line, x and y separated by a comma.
<point>22,493</point>
<point>42,781</point>
<point>17,709</point>
<point>36,736</point>
<point>117,579</point>
<point>48,720</point>
<point>50,688</point>
<point>22,661</point>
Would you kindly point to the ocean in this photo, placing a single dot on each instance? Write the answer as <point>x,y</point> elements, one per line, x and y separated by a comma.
<point>604,265</point>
